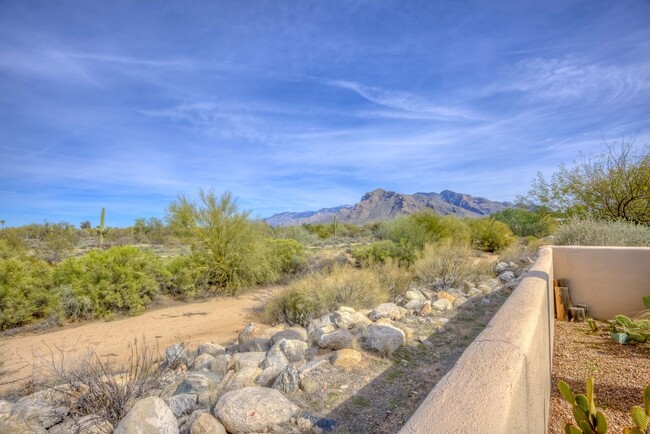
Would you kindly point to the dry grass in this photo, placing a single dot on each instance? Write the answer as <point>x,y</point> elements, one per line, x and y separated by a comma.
<point>448,263</point>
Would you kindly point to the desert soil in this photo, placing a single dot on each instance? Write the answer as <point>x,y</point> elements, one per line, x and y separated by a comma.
<point>620,373</point>
<point>217,320</point>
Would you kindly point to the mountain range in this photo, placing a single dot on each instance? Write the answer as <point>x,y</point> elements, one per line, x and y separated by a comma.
<point>379,205</point>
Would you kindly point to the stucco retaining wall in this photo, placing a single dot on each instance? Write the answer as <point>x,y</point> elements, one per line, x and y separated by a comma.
<point>611,280</point>
<point>501,383</point>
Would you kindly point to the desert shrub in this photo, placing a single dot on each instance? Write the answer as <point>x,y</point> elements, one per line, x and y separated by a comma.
<point>151,230</point>
<point>590,232</point>
<point>447,264</point>
<point>186,277</point>
<point>57,242</point>
<point>298,233</point>
<point>395,278</point>
<point>96,385</point>
<point>381,251</point>
<point>490,235</point>
<point>229,248</point>
<point>414,231</point>
<point>25,291</point>
<point>120,279</point>
<point>317,294</point>
<point>286,255</point>
<point>11,244</point>
<point>524,223</point>
<point>321,230</point>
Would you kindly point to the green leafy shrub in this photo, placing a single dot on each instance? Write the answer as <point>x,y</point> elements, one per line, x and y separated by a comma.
<point>286,255</point>
<point>490,235</point>
<point>11,244</point>
<point>590,232</point>
<point>449,264</point>
<point>120,279</point>
<point>229,248</point>
<point>186,277</point>
<point>25,291</point>
<point>317,294</point>
<point>525,223</point>
<point>381,251</point>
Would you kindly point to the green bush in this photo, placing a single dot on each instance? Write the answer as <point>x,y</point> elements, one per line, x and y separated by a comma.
<point>490,235</point>
<point>118,280</point>
<point>381,251</point>
<point>229,248</point>
<point>525,223</point>
<point>298,233</point>
<point>414,231</point>
<point>448,264</point>
<point>589,232</point>
<point>317,294</point>
<point>287,255</point>
<point>25,291</point>
<point>11,244</point>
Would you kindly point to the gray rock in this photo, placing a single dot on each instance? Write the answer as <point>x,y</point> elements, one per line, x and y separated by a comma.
<point>254,410</point>
<point>387,310</point>
<point>415,305</point>
<point>148,416</point>
<point>501,267</point>
<point>442,305</point>
<point>183,403</point>
<point>19,425</point>
<point>384,338</point>
<point>475,292</point>
<point>296,333</point>
<point>312,366</point>
<point>288,381</point>
<point>272,365</point>
<point>175,354</point>
<point>240,360</point>
<point>414,295</point>
<point>198,382</point>
<point>485,301</point>
<point>205,423</point>
<point>349,319</point>
<point>293,349</point>
<point>90,424</point>
<point>212,349</point>
<point>506,276</point>
<point>35,408</point>
<point>337,340</point>
<point>428,293</point>
<point>255,345</point>
<point>244,377</point>
<point>320,326</point>
<point>205,362</point>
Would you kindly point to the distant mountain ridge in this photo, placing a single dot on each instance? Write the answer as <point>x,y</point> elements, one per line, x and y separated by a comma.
<point>379,205</point>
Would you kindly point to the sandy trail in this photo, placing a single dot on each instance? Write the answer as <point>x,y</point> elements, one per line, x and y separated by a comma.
<point>215,320</point>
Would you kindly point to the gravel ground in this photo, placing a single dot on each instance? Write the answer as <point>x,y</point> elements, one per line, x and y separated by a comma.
<point>620,372</point>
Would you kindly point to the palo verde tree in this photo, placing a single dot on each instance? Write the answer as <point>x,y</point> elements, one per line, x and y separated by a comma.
<point>612,185</point>
<point>228,250</point>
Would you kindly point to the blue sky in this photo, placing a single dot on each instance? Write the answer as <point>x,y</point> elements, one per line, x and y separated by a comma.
<point>299,105</point>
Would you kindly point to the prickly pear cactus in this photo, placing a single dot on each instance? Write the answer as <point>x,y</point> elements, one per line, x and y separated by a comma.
<point>640,416</point>
<point>588,418</point>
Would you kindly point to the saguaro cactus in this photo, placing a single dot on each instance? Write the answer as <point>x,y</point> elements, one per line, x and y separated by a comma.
<point>101,230</point>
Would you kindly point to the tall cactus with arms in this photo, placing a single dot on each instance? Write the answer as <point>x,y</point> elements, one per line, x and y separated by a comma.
<point>102,230</point>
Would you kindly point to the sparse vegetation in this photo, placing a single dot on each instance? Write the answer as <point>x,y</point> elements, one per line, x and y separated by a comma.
<point>447,264</point>
<point>590,232</point>
<point>317,294</point>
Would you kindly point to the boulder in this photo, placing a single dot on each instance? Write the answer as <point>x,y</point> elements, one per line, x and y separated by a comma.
<point>337,340</point>
<point>18,425</point>
<point>90,424</point>
<point>442,305</point>
<point>205,423</point>
<point>254,409</point>
<point>475,292</point>
<point>221,364</point>
<point>212,349</point>
<point>256,337</point>
<point>414,295</point>
<point>320,326</point>
<point>181,404</point>
<point>384,338</point>
<point>506,276</point>
<point>387,310</point>
<point>446,295</point>
<point>293,349</point>
<point>414,305</point>
<point>148,416</point>
<point>240,360</point>
<point>288,381</point>
<point>346,358</point>
<point>501,267</point>
<point>205,362</point>
<point>244,377</point>
<point>296,333</point>
<point>197,382</point>
<point>175,354</point>
<point>272,365</point>
<point>35,408</point>
<point>255,345</point>
<point>426,309</point>
<point>349,319</point>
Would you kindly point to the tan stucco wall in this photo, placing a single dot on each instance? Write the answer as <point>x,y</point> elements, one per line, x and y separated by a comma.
<point>611,280</point>
<point>501,383</point>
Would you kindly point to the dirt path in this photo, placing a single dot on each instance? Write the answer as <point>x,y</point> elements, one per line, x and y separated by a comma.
<point>215,320</point>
